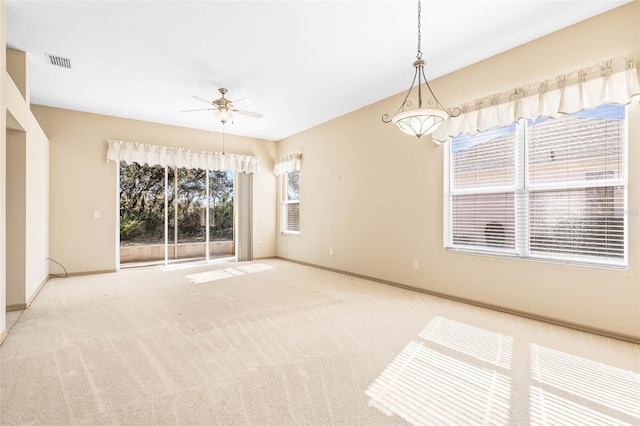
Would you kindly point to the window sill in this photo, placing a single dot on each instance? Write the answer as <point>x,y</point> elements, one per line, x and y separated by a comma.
<point>570,262</point>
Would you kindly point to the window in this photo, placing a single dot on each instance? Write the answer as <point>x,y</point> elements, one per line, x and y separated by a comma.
<point>545,189</point>
<point>290,210</point>
<point>288,170</point>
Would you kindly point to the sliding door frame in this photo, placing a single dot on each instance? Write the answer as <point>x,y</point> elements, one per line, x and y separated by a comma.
<point>167,261</point>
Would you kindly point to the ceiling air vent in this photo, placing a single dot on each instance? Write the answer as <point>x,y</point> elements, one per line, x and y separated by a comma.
<point>58,61</point>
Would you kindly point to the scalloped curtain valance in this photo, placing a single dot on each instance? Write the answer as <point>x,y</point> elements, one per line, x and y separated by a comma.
<point>287,164</point>
<point>156,155</point>
<point>614,81</point>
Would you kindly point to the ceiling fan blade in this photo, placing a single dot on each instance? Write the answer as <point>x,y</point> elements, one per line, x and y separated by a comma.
<point>199,109</point>
<point>202,99</point>
<point>249,113</point>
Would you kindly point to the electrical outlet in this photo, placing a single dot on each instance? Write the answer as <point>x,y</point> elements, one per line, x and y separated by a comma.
<point>416,265</point>
<point>96,214</point>
<point>330,252</point>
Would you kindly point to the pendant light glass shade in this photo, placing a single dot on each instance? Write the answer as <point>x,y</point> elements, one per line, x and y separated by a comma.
<point>419,122</point>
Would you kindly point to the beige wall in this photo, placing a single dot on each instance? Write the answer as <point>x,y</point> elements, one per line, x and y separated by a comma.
<point>16,216</point>
<point>37,209</point>
<point>24,249</point>
<point>29,225</point>
<point>375,195</point>
<point>82,182</point>
<point>17,68</point>
<point>3,163</point>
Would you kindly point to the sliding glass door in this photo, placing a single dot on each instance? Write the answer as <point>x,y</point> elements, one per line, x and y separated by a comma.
<point>198,213</point>
<point>220,214</point>
<point>142,213</point>
<point>187,210</point>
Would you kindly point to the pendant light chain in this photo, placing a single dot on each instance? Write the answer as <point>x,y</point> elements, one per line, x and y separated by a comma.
<point>419,55</point>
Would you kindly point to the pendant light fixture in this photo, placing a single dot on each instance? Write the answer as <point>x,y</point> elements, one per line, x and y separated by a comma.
<point>420,121</point>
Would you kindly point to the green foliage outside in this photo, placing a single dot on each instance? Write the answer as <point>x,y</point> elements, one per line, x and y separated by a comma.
<point>142,200</point>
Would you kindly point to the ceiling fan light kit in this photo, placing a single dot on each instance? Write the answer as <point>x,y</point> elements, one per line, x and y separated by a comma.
<point>224,115</point>
<point>224,108</point>
<point>420,121</point>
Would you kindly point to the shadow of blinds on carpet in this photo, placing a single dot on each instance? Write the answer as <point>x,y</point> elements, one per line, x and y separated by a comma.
<point>244,209</point>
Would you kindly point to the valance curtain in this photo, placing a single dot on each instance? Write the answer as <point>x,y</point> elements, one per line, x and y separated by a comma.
<point>179,157</point>
<point>287,164</point>
<point>614,81</point>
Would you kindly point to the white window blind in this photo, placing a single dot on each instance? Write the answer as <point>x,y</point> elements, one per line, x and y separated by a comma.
<point>577,185</point>
<point>290,208</point>
<point>549,188</point>
<point>483,179</point>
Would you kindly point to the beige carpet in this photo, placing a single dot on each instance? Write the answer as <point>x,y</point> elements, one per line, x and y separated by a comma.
<point>277,343</point>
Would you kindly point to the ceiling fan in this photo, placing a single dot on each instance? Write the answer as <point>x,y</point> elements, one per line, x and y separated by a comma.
<point>224,107</point>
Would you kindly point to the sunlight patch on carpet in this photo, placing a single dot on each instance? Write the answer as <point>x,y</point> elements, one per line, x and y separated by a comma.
<point>255,267</point>
<point>424,385</point>
<point>457,373</point>
<point>221,274</point>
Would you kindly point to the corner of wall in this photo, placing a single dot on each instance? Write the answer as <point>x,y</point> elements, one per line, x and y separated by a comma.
<point>3,162</point>
<point>25,145</point>
<point>17,68</point>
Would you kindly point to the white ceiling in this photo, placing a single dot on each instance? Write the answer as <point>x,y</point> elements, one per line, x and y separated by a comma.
<point>301,62</point>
